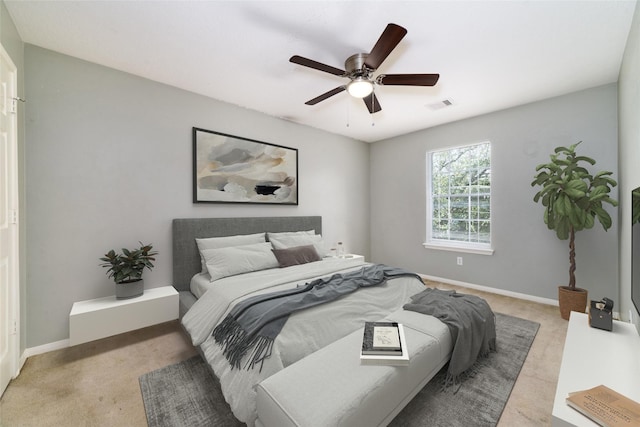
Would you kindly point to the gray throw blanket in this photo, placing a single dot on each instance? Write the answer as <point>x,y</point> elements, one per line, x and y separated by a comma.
<point>253,324</point>
<point>471,323</point>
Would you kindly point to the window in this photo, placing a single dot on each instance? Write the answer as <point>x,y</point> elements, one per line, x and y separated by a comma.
<point>459,198</point>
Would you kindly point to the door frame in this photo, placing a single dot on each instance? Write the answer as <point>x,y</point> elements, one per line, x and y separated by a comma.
<point>13,305</point>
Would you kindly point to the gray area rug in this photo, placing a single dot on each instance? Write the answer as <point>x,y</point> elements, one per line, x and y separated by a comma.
<point>480,400</point>
<point>187,394</point>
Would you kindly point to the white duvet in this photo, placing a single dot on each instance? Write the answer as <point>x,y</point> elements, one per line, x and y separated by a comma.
<point>304,332</point>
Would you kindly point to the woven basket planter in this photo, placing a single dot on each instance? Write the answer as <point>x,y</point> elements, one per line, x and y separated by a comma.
<point>571,300</point>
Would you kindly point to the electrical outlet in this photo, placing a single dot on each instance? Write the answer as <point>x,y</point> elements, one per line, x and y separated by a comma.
<point>459,260</point>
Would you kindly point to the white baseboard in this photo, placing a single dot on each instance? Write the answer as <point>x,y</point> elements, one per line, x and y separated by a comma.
<point>490,290</point>
<point>21,362</point>
<point>33,351</point>
<point>45,348</point>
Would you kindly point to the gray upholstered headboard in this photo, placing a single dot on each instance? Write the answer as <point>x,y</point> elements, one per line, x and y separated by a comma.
<point>186,259</point>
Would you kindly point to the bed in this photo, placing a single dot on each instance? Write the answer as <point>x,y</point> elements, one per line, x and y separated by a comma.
<point>205,303</point>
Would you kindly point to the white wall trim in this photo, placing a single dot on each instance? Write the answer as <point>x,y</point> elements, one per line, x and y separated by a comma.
<point>21,362</point>
<point>492,290</point>
<point>33,351</point>
<point>11,332</point>
<point>44,348</point>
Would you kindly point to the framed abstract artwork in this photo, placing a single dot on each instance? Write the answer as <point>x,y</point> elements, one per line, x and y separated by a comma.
<point>231,169</point>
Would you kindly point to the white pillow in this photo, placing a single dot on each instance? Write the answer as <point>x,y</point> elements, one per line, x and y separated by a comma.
<point>231,261</point>
<point>285,242</point>
<point>226,242</point>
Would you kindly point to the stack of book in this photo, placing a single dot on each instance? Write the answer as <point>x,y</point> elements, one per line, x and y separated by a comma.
<point>384,343</point>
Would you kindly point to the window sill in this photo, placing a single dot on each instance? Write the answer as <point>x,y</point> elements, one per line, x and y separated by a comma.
<point>458,248</point>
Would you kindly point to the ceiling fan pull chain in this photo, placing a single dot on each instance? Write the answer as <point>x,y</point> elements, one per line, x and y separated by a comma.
<point>348,115</point>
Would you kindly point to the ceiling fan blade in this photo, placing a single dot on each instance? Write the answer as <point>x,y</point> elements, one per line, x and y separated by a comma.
<point>296,59</point>
<point>326,95</point>
<point>389,39</point>
<point>408,79</point>
<point>371,101</point>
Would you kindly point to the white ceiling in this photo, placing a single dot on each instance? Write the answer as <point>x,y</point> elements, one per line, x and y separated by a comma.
<point>490,55</point>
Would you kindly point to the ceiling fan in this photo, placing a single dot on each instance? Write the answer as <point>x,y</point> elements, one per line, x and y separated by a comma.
<point>359,69</point>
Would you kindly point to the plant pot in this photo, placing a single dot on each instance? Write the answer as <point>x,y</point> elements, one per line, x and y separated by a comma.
<point>571,300</point>
<point>129,289</point>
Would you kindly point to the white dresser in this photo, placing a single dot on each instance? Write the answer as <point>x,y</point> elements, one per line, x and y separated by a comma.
<point>592,357</point>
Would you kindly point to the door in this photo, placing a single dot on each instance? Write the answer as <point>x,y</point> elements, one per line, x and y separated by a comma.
<point>9,290</point>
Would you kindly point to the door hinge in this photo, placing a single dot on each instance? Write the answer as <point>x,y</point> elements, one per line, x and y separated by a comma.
<point>14,103</point>
<point>13,214</point>
<point>15,327</point>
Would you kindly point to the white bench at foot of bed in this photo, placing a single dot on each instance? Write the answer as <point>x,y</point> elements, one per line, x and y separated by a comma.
<point>332,388</point>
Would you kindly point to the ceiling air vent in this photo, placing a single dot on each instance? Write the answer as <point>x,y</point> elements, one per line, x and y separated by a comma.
<point>440,104</point>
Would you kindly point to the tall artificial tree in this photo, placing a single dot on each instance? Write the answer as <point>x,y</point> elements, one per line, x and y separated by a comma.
<point>573,198</point>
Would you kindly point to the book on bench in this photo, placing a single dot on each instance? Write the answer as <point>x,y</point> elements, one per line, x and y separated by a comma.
<point>384,343</point>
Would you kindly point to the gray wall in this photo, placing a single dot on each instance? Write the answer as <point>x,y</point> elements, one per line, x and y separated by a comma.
<point>528,258</point>
<point>109,164</point>
<point>629,129</point>
<point>13,45</point>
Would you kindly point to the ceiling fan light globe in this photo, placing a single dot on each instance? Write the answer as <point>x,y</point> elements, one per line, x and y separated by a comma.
<point>360,88</point>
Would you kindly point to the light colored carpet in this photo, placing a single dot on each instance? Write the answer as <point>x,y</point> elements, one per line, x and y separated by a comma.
<point>96,384</point>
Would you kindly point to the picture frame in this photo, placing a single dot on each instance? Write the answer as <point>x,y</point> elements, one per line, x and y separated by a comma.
<point>233,169</point>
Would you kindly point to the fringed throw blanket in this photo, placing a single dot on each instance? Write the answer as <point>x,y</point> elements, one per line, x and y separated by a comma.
<point>253,324</point>
<point>470,321</point>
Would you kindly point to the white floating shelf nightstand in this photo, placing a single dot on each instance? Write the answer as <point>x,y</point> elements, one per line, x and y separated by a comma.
<point>103,317</point>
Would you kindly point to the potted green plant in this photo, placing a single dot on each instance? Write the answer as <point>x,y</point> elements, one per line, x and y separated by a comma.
<point>573,199</point>
<point>126,269</point>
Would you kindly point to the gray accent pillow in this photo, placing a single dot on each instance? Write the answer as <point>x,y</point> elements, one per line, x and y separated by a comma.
<point>296,255</point>
<point>290,241</point>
